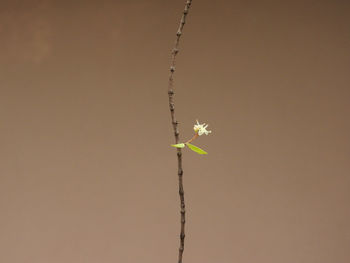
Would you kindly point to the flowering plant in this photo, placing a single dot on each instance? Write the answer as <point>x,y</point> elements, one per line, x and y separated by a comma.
<point>199,130</point>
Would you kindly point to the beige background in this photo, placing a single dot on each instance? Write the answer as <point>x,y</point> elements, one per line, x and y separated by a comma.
<point>87,174</point>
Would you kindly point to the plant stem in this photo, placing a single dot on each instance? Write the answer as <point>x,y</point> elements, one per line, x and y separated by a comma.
<point>175,127</point>
<point>193,138</point>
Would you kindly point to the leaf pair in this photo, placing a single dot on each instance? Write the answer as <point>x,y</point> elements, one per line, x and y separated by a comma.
<point>191,146</point>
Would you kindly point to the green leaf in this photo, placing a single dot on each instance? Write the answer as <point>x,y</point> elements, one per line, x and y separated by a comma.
<point>196,149</point>
<point>180,145</point>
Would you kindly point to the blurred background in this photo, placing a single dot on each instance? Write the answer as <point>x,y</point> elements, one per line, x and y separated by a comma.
<point>87,173</point>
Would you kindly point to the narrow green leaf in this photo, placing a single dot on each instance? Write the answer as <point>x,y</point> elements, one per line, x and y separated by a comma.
<point>180,145</point>
<point>196,149</point>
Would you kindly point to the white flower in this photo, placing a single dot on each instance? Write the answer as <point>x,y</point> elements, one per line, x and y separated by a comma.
<point>201,129</point>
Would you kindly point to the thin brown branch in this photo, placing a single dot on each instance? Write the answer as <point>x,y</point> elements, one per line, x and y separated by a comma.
<point>175,126</point>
